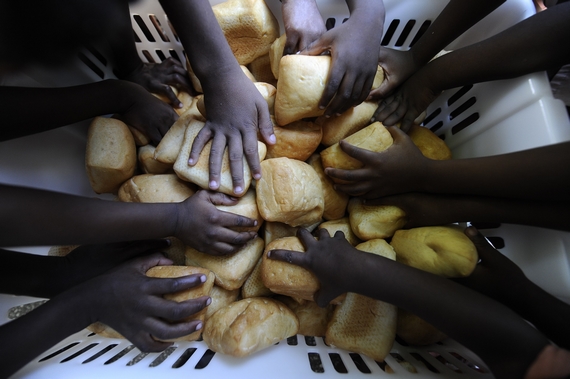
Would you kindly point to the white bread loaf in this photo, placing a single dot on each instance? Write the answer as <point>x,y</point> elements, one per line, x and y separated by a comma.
<point>297,140</point>
<point>221,298</point>
<point>342,225</point>
<point>289,191</point>
<point>149,188</point>
<point>246,206</point>
<point>148,164</point>
<point>335,201</point>
<point>339,127</point>
<point>313,320</point>
<point>374,221</point>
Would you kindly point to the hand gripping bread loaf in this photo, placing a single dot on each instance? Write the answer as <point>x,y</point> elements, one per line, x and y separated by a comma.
<point>441,250</point>
<point>429,143</point>
<point>289,191</point>
<point>274,230</point>
<point>342,225</point>
<point>348,123</point>
<point>231,270</point>
<point>246,206</point>
<point>199,173</point>
<point>248,326</point>
<point>362,324</point>
<point>374,221</point>
<point>110,155</point>
<point>168,148</point>
<point>300,87</point>
<point>149,188</point>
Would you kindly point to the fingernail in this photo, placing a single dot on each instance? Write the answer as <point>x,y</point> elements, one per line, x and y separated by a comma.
<point>328,116</point>
<point>168,242</point>
<point>255,223</point>
<point>238,189</point>
<point>213,184</point>
<point>321,107</point>
<point>209,301</point>
<point>257,176</point>
<point>180,105</point>
<point>272,139</point>
<point>372,119</point>
<point>191,162</point>
<point>199,326</point>
<point>203,278</point>
<point>269,253</point>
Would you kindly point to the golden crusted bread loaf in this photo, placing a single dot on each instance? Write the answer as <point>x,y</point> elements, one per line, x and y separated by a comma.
<point>313,320</point>
<point>342,225</point>
<point>148,164</point>
<point>276,53</point>
<point>247,207</point>
<point>149,188</point>
<point>429,144</point>
<point>273,230</point>
<point>300,87</point>
<point>362,324</point>
<point>249,26</point>
<point>168,148</point>
<point>200,173</point>
<point>110,155</point>
<point>297,140</point>
<point>441,250</point>
<point>335,201</point>
<point>253,286</point>
<point>231,270</point>
<point>348,123</point>
<point>221,297</point>
<point>289,191</point>
<point>260,68</point>
<point>374,221</point>
<point>416,331</point>
<point>248,326</point>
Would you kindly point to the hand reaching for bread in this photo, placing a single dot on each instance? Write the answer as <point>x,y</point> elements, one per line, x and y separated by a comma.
<point>303,24</point>
<point>205,228</point>
<point>236,112</point>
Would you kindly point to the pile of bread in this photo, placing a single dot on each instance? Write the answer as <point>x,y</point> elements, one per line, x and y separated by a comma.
<point>257,302</point>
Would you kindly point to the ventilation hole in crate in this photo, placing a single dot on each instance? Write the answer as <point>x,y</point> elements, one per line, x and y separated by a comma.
<point>63,349</point>
<point>97,54</point>
<point>160,54</point>
<point>431,116</point>
<point>436,127</point>
<point>428,365</point>
<point>338,364</point>
<point>137,39</point>
<point>359,363</point>
<point>78,353</point>
<point>181,361</point>
<point>310,341</point>
<point>462,108</point>
<point>486,225</point>
<point>390,32</point>
<point>497,242</point>
<point>148,56</point>
<point>92,66</point>
<point>145,30</point>
<point>205,360</point>
<point>421,31</point>
<point>292,341</point>
<point>158,28</point>
<point>173,31</point>
<point>91,334</point>
<point>385,367</point>
<point>468,363</point>
<point>316,363</point>
<point>457,95</point>
<point>405,33</point>
<point>401,341</point>
<point>344,20</point>
<point>330,23</point>
<point>162,357</point>
<point>447,364</point>
<point>103,351</point>
<point>137,359</point>
<point>120,355</point>
<point>174,55</point>
<point>465,123</point>
<point>404,363</point>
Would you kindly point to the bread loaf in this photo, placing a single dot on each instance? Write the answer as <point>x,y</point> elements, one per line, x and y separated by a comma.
<point>430,145</point>
<point>148,164</point>
<point>247,207</point>
<point>374,221</point>
<point>348,123</point>
<point>297,140</point>
<point>149,188</point>
<point>342,225</point>
<point>221,298</point>
<point>313,320</point>
<point>335,201</point>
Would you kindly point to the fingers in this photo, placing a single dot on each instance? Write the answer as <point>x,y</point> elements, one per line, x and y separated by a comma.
<point>291,44</point>
<point>235,155</point>
<point>485,249</point>
<point>200,141</point>
<point>179,311</point>
<point>294,257</point>
<point>215,163</point>
<point>147,262</point>
<point>132,249</point>
<point>166,90</point>
<point>160,286</point>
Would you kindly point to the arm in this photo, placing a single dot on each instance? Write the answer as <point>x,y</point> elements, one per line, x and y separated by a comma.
<point>124,299</point>
<point>236,109</point>
<point>456,18</point>
<point>476,321</point>
<point>303,24</point>
<point>531,45</point>
<point>33,110</point>
<point>527,174</point>
<point>354,47</point>
<point>498,277</point>
<point>77,220</point>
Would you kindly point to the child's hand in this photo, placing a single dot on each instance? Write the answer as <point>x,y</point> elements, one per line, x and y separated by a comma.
<point>398,66</point>
<point>303,24</point>
<point>88,261</point>
<point>354,47</point>
<point>398,169</point>
<point>201,225</point>
<point>495,275</point>
<point>157,78</point>
<point>326,258</point>
<point>407,103</point>
<point>236,111</point>
<point>132,303</point>
<point>147,113</point>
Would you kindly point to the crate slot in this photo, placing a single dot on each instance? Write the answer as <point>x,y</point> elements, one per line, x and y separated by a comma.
<point>121,354</point>
<point>62,350</point>
<point>404,363</point>
<point>445,362</point>
<point>154,20</point>
<point>316,363</point>
<point>292,341</point>
<point>205,360</point>
<point>465,123</point>
<point>184,357</point>
<point>91,65</point>
<point>100,353</point>
<point>359,363</point>
<point>468,363</point>
<point>160,54</point>
<point>389,33</point>
<point>78,353</point>
<point>497,242</point>
<point>431,116</point>
<point>137,359</point>
<point>425,25</point>
<point>162,357</point>
<point>338,364</point>
<point>385,367</point>
<point>462,108</point>
<point>330,23</point>
<point>405,33</point>
<point>457,95</point>
<point>428,365</point>
<point>148,35</point>
<point>310,341</point>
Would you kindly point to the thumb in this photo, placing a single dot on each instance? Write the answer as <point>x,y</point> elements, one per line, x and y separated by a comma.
<point>317,47</point>
<point>381,92</point>
<point>219,198</point>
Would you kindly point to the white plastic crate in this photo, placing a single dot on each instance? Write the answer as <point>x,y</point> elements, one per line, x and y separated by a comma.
<point>484,119</point>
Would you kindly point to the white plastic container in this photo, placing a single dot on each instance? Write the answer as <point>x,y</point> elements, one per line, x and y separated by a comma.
<point>485,119</point>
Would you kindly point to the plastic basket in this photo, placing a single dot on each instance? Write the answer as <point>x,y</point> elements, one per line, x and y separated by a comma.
<point>484,119</point>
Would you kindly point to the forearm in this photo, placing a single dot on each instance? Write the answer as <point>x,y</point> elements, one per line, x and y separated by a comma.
<point>31,217</point>
<point>456,18</point>
<point>370,12</point>
<point>29,336</point>
<point>533,174</point>
<point>476,321</point>
<point>203,40</point>
<point>531,45</point>
<point>25,109</point>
